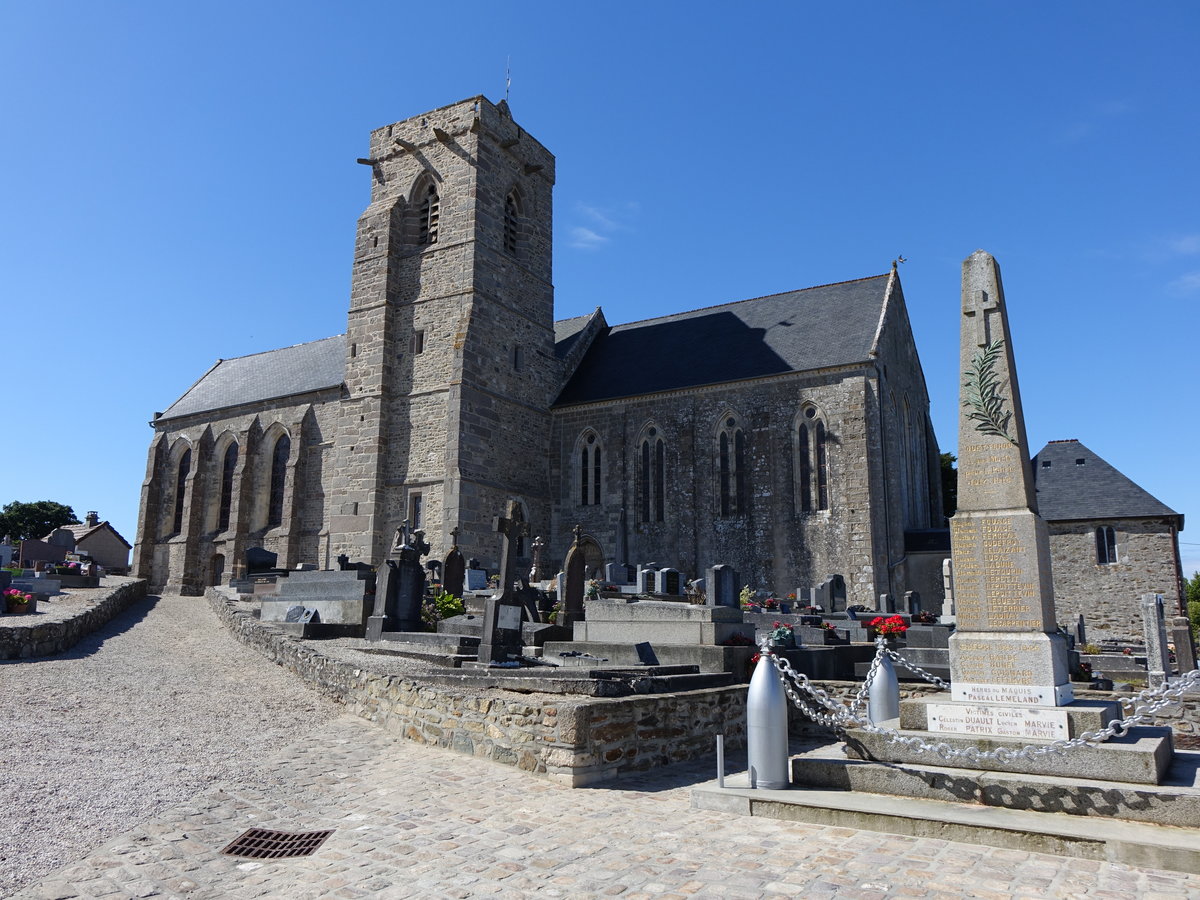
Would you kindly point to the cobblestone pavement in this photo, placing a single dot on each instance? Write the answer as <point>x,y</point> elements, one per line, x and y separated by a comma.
<point>416,821</point>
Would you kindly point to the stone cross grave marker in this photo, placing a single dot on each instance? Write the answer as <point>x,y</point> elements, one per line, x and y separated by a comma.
<point>536,571</point>
<point>502,611</point>
<point>1006,654</point>
<point>575,568</point>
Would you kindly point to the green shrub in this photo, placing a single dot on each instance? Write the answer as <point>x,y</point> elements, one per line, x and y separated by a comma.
<point>440,606</point>
<point>1194,617</point>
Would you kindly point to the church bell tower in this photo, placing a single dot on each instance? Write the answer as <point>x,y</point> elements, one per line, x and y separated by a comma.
<point>450,366</point>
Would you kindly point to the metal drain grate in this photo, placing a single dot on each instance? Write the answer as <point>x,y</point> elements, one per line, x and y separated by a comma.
<point>259,843</point>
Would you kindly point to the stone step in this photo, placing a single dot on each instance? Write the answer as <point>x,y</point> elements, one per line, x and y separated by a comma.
<point>1175,802</point>
<point>1142,756</point>
<point>1090,837</point>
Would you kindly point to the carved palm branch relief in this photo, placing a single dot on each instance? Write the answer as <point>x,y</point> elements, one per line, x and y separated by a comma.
<point>981,394</point>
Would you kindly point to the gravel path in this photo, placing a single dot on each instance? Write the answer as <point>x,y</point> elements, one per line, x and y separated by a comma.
<point>139,717</point>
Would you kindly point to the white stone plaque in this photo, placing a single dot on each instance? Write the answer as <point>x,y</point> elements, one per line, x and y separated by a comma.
<point>1023,694</point>
<point>509,616</point>
<point>1001,721</point>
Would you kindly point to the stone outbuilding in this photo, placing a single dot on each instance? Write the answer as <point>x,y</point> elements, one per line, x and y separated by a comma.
<point>1110,541</point>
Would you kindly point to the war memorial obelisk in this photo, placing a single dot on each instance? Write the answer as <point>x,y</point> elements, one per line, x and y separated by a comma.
<point>1006,654</point>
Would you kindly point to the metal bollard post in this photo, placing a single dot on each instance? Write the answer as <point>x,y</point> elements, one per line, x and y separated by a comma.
<point>883,693</point>
<point>720,760</point>
<point>766,727</point>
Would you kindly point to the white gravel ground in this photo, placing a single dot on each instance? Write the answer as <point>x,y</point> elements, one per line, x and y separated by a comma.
<point>139,717</point>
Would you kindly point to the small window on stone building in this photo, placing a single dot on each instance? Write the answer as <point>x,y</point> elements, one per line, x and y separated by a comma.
<point>416,510</point>
<point>226,501</point>
<point>279,461</point>
<point>431,211</point>
<point>731,467</point>
<point>1080,462</point>
<point>590,471</point>
<point>181,474</point>
<point>652,477</point>
<point>511,220</point>
<point>1106,545</point>
<point>812,462</point>
<point>1046,463</point>
<point>518,357</point>
<point>417,344</point>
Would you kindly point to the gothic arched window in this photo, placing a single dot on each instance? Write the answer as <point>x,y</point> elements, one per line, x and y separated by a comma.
<point>590,469</point>
<point>512,213</point>
<point>1106,545</point>
<point>279,461</point>
<point>430,213</point>
<point>181,474</point>
<point>812,462</point>
<point>731,465</point>
<point>225,502</point>
<point>652,477</point>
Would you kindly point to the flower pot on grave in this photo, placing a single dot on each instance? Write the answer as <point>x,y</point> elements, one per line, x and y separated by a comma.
<point>19,609</point>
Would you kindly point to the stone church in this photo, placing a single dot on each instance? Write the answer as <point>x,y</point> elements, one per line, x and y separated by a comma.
<point>788,435</point>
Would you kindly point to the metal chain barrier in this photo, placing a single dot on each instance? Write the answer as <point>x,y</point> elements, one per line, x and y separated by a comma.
<point>825,710</point>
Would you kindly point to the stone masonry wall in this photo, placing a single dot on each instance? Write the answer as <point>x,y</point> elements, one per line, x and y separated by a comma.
<point>570,739</point>
<point>1108,596</point>
<point>25,641</point>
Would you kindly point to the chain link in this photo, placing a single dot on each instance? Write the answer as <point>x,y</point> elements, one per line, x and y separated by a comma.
<point>841,716</point>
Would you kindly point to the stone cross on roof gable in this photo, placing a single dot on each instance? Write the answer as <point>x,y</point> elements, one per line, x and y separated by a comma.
<point>978,305</point>
<point>512,527</point>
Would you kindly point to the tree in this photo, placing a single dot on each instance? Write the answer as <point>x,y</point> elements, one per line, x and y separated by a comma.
<point>24,521</point>
<point>1191,588</point>
<point>949,484</point>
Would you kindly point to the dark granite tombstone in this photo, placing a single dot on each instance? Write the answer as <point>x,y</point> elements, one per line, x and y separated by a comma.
<point>259,561</point>
<point>454,567</point>
<point>1080,633</point>
<point>722,586</point>
<point>912,602</point>
<point>502,612</point>
<point>572,610</point>
<point>670,582</point>
<point>400,587</point>
<point>831,594</point>
<point>886,604</point>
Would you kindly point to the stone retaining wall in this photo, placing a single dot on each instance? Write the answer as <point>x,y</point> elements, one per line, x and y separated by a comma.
<point>575,740</point>
<point>46,638</point>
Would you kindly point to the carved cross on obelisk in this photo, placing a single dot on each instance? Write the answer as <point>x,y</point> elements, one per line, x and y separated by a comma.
<point>978,304</point>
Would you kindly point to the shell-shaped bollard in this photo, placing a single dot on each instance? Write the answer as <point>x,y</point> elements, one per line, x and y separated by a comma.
<point>883,693</point>
<point>766,728</point>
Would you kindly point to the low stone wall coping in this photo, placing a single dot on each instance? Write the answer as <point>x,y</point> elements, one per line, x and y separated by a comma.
<point>28,636</point>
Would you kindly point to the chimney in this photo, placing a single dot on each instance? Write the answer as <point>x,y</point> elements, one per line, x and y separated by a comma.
<point>91,519</point>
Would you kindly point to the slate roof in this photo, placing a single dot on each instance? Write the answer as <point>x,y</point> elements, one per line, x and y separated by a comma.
<point>566,333</point>
<point>830,325</point>
<point>1068,489</point>
<point>265,376</point>
<point>84,531</point>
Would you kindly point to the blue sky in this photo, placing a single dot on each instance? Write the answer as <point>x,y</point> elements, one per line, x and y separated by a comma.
<point>179,185</point>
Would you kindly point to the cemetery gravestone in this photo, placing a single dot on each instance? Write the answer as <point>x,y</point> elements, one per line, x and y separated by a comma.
<point>646,578</point>
<point>502,612</point>
<point>722,585</point>
<point>948,590</point>
<point>912,602</point>
<point>572,599</point>
<point>1158,664</point>
<point>454,567</point>
<point>670,582</point>
<point>400,587</point>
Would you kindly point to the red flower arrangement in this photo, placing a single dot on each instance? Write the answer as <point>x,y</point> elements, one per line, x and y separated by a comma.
<point>890,625</point>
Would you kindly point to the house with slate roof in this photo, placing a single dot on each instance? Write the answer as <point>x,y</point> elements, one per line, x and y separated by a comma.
<point>788,436</point>
<point>1110,541</point>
